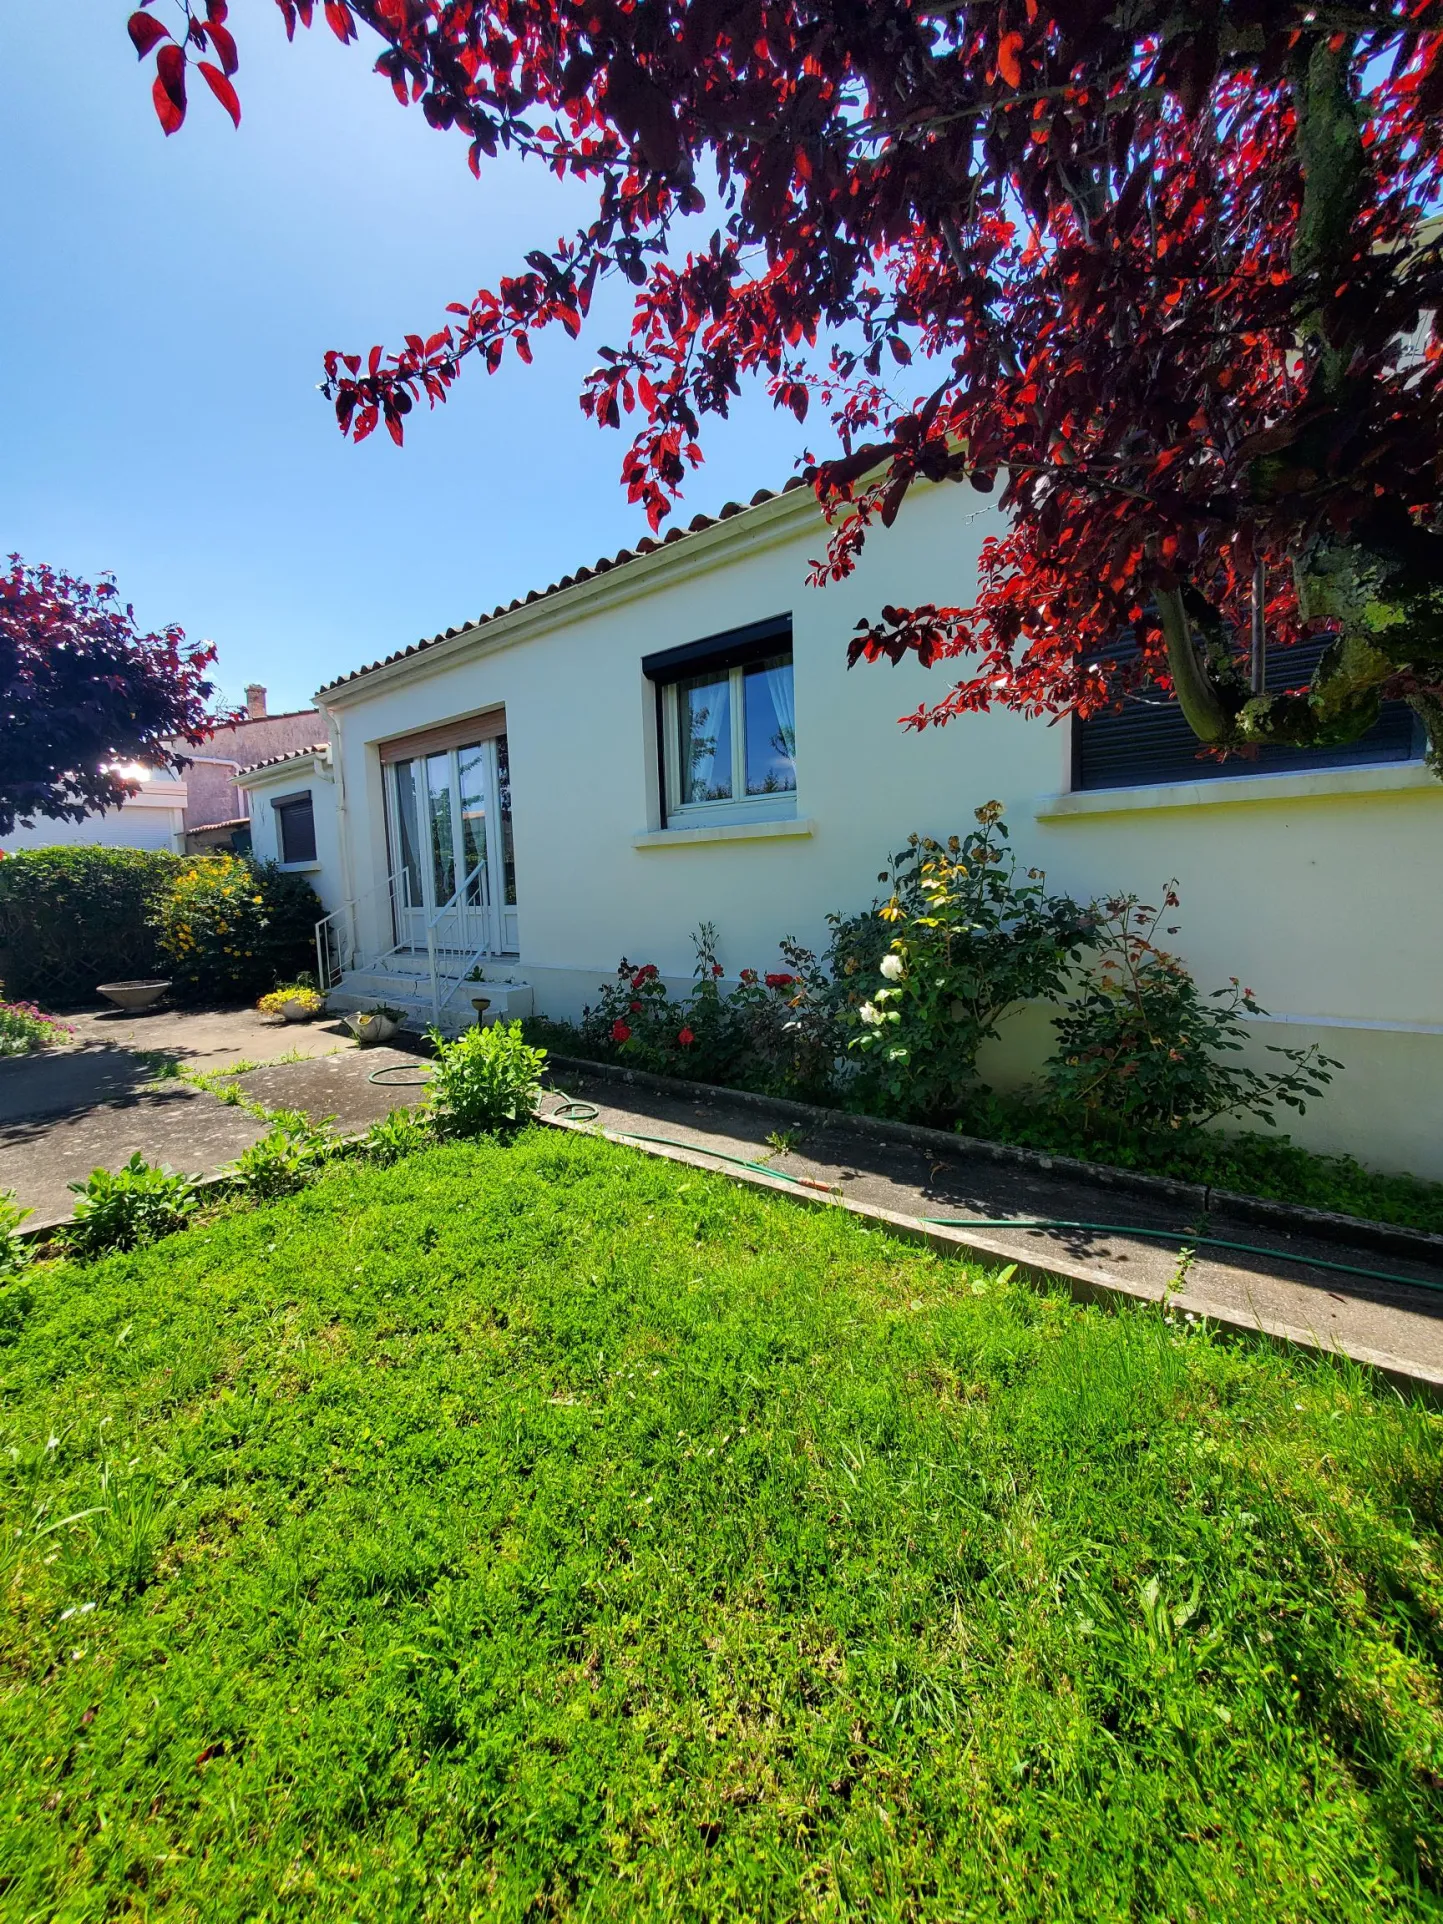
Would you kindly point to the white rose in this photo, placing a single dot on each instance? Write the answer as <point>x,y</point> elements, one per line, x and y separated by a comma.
<point>892,967</point>
<point>869,1015</point>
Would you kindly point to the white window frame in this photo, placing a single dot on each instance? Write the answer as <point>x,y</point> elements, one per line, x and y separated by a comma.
<point>778,805</point>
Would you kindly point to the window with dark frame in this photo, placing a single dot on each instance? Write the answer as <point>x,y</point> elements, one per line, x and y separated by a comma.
<point>726,724</point>
<point>296,829</point>
<point>1147,741</point>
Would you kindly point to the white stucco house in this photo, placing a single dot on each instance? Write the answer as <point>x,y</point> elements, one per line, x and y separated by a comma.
<point>673,736</point>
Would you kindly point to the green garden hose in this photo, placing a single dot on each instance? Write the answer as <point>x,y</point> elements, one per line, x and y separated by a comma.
<point>1182,1236</point>
<point>397,1068</point>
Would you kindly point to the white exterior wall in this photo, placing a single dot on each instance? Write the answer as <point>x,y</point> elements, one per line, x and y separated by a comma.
<point>265,787</point>
<point>1318,890</point>
<point>152,819</point>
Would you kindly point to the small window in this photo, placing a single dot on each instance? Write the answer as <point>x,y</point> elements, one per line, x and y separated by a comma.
<point>731,736</point>
<point>296,827</point>
<point>726,724</point>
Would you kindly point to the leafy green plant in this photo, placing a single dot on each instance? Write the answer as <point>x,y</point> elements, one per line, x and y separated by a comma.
<point>400,1134</point>
<point>291,1153</point>
<point>73,917</point>
<point>1140,1049</point>
<point>24,1027</point>
<point>970,940</point>
<point>229,927</point>
<point>788,1036</point>
<point>128,1207</point>
<point>484,1079</point>
<point>16,1253</point>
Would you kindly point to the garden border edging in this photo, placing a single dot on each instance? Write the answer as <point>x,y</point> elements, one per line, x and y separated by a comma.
<point>1359,1231</point>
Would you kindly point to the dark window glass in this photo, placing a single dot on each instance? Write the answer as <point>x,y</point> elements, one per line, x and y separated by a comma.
<point>297,822</point>
<point>1149,741</point>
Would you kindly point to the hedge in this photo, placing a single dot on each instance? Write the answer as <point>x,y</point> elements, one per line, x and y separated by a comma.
<point>221,927</point>
<point>73,917</point>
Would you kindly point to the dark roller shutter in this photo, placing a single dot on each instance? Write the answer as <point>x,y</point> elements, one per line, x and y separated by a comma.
<point>1148,740</point>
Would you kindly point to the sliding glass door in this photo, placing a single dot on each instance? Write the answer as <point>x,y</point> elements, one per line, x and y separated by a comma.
<point>451,848</point>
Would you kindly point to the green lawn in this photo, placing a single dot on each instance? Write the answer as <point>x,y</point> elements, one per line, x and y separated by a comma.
<point>550,1531</point>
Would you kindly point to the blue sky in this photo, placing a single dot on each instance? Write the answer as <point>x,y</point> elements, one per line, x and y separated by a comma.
<point>163,313</point>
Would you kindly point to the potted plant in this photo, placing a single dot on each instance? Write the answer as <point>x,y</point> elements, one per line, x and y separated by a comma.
<point>374,1025</point>
<point>293,1002</point>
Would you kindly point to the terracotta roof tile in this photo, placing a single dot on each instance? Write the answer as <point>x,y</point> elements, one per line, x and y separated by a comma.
<point>291,755</point>
<point>603,565</point>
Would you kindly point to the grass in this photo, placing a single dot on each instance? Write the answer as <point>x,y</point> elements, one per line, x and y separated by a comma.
<point>550,1531</point>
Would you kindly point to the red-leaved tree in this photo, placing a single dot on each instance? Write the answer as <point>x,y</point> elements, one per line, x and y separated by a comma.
<point>82,688</point>
<point>1161,270</point>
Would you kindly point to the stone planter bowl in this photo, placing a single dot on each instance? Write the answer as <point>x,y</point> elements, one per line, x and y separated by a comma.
<point>299,1012</point>
<point>369,1025</point>
<point>132,996</point>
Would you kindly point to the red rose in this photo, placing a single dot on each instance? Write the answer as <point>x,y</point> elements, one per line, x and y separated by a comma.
<point>620,1032</point>
<point>716,968</point>
<point>780,981</point>
<point>685,1038</point>
<point>749,975</point>
<point>636,1008</point>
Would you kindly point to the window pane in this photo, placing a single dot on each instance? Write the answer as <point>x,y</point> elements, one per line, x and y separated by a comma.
<point>298,830</point>
<point>771,727</point>
<point>472,765</point>
<point>443,851</point>
<point>704,738</point>
<point>408,822</point>
<point>508,852</point>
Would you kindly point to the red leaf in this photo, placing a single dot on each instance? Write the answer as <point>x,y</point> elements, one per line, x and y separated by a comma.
<point>224,92</point>
<point>223,40</point>
<point>168,93</point>
<point>144,30</point>
<point>1008,64</point>
<point>338,19</point>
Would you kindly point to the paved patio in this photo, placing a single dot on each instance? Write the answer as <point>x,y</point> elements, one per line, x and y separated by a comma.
<point>92,1105</point>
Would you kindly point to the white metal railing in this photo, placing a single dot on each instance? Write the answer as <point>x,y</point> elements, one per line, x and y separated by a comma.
<point>454,909</point>
<point>338,935</point>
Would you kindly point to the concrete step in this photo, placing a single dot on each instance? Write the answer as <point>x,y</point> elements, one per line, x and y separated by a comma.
<point>364,988</point>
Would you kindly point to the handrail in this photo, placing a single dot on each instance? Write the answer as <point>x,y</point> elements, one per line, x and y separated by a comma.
<point>449,908</point>
<point>339,927</point>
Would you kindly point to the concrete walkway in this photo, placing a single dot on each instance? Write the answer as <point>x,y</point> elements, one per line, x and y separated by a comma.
<point>1279,1286</point>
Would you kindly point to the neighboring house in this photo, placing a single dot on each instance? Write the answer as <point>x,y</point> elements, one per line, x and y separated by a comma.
<point>153,817</point>
<point>673,736</point>
<point>196,807</point>
<point>217,814</point>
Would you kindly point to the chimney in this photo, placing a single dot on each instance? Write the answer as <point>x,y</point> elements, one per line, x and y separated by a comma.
<point>255,701</point>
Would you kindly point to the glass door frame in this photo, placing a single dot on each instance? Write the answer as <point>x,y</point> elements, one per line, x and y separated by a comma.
<point>487,921</point>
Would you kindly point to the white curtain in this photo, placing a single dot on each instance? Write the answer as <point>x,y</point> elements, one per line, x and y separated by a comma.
<point>779,687</point>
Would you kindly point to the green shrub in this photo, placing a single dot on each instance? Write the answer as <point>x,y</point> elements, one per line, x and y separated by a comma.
<point>485,1080</point>
<point>74,917</point>
<point>230,928</point>
<point>292,1153</point>
<point>127,1207</point>
<point>16,1252</point>
<point>1141,1050</point>
<point>400,1134</point>
<point>970,941</point>
<point>23,1027</point>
